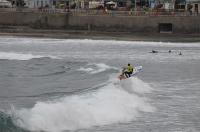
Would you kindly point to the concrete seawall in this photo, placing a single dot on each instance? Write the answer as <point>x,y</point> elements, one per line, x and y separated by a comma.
<point>36,20</point>
<point>153,24</point>
<point>182,24</point>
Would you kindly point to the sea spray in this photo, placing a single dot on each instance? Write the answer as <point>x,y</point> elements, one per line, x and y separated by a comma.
<point>7,124</point>
<point>112,103</point>
<point>138,86</point>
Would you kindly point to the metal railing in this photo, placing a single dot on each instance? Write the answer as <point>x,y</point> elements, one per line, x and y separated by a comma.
<point>89,12</point>
<point>131,13</point>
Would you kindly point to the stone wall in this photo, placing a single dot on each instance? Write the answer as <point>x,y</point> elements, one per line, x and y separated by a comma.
<point>180,24</point>
<point>36,20</point>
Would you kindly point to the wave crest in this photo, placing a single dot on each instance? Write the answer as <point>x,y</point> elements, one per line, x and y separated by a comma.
<point>112,103</point>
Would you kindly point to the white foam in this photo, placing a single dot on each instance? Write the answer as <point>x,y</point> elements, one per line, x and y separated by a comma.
<point>139,86</point>
<point>122,42</point>
<point>100,68</point>
<point>20,56</point>
<point>96,68</point>
<point>49,41</point>
<point>110,104</point>
<point>88,70</point>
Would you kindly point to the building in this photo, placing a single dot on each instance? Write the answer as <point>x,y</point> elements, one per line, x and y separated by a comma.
<point>39,3</point>
<point>156,4</point>
<point>180,5</point>
<point>193,6</point>
<point>5,4</point>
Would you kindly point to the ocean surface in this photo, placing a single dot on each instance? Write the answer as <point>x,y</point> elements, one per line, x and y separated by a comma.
<point>71,85</point>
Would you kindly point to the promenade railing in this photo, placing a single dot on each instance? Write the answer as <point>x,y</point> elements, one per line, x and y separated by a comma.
<point>131,13</point>
<point>89,12</point>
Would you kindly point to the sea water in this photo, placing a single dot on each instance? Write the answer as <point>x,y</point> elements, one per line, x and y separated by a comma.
<point>58,85</point>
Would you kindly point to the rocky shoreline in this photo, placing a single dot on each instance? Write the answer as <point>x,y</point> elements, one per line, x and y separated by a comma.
<point>86,34</point>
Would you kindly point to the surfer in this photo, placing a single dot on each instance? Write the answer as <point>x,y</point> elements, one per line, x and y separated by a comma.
<point>128,70</point>
<point>154,51</point>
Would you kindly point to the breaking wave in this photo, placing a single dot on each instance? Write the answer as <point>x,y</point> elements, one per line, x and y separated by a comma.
<point>7,125</point>
<point>116,102</point>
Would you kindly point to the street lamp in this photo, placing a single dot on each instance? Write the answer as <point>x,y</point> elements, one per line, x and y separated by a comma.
<point>135,5</point>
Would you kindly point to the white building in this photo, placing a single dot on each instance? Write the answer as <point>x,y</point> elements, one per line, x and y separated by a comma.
<point>39,3</point>
<point>5,3</point>
<point>195,5</point>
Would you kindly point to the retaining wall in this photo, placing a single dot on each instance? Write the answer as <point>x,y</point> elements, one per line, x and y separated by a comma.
<point>37,20</point>
<point>180,24</point>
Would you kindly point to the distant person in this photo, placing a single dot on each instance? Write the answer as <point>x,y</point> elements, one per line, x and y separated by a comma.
<point>180,53</point>
<point>154,51</point>
<point>128,70</point>
<point>106,10</point>
<point>169,51</point>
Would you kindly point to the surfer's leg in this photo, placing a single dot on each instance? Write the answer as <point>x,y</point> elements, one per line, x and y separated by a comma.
<point>126,74</point>
<point>129,74</point>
